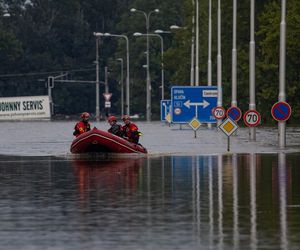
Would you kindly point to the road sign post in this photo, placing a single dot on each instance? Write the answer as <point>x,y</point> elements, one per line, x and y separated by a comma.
<point>234,113</point>
<point>281,111</point>
<point>252,118</point>
<point>165,108</point>
<point>228,127</point>
<point>188,102</point>
<point>219,113</point>
<point>195,124</point>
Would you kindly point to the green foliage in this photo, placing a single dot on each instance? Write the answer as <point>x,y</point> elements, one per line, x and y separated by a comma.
<point>46,38</point>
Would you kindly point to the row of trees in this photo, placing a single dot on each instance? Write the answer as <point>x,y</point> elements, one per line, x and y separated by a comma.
<point>43,38</point>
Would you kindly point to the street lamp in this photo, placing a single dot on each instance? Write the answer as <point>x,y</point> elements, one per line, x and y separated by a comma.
<point>162,32</point>
<point>219,61</point>
<point>122,87</point>
<point>6,14</point>
<point>282,72</point>
<point>234,57</point>
<point>252,104</point>
<point>147,17</point>
<point>97,35</point>
<point>192,74</point>
<point>127,69</point>
<point>197,44</point>
<point>162,59</point>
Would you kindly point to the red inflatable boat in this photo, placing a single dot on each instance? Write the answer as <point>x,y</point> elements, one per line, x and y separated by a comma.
<point>100,141</point>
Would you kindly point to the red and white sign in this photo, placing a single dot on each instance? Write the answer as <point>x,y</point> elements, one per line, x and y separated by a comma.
<point>107,96</point>
<point>219,112</point>
<point>252,118</point>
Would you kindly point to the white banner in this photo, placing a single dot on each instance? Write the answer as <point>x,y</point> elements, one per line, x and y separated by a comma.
<point>24,108</point>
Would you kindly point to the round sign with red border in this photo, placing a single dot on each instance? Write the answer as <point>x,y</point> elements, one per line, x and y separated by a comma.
<point>252,118</point>
<point>219,112</point>
<point>234,113</point>
<point>281,111</point>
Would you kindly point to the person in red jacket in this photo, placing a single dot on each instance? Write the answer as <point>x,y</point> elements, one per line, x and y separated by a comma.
<point>130,130</point>
<point>82,126</point>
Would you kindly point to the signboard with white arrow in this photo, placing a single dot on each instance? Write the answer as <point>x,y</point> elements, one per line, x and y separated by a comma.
<point>190,102</point>
<point>165,108</point>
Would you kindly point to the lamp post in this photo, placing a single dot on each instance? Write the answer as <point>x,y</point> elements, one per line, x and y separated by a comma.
<point>252,66</point>
<point>175,27</point>
<point>219,61</point>
<point>234,57</point>
<point>209,63</point>
<point>97,35</point>
<point>148,80</point>
<point>127,62</point>
<point>162,59</point>
<point>122,86</point>
<point>282,93</point>
<point>197,44</point>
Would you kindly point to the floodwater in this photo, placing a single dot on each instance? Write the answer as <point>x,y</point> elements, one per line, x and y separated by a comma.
<point>187,194</point>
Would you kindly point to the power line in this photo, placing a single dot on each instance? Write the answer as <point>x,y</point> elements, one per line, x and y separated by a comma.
<point>44,73</point>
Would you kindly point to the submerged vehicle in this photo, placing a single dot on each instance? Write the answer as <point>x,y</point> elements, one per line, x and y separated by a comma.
<point>100,141</point>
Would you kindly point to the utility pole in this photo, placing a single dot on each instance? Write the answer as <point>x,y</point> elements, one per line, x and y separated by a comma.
<point>97,80</point>
<point>252,104</point>
<point>50,85</point>
<point>282,94</point>
<point>106,91</point>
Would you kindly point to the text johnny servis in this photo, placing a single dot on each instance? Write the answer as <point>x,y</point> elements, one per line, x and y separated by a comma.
<point>25,105</point>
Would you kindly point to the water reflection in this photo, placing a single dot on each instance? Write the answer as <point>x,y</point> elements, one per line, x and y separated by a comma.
<point>232,201</point>
<point>282,175</point>
<point>253,236</point>
<point>211,179</point>
<point>111,175</point>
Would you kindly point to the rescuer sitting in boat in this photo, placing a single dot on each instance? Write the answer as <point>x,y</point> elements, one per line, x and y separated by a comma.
<point>115,128</point>
<point>130,130</point>
<point>82,126</point>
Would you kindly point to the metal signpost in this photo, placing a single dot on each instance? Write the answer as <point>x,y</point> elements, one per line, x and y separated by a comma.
<point>107,103</point>
<point>228,127</point>
<point>234,113</point>
<point>252,118</point>
<point>189,102</point>
<point>195,124</point>
<point>281,111</point>
<point>165,108</point>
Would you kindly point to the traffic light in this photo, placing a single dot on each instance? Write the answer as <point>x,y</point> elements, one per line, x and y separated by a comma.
<point>51,82</point>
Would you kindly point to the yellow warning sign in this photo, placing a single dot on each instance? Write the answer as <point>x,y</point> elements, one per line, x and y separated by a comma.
<point>168,118</point>
<point>228,127</point>
<point>195,124</point>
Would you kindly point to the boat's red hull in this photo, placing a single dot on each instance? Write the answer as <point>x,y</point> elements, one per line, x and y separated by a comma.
<point>100,141</point>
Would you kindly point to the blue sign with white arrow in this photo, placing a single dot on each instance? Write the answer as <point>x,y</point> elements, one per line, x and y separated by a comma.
<point>190,102</point>
<point>165,108</point>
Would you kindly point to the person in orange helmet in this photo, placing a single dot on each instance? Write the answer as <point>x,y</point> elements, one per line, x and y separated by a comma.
<point>82,126</point>
<point>115,128</point>
<point>130,130</point>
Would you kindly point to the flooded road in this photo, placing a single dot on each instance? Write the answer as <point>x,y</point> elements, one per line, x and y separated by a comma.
<point>238,201</point>
<point>188,193</point>
<point>55,138</point>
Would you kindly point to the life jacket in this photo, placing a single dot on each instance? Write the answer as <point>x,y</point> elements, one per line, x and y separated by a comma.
<point>116,129</point>
<point>81,127</point>
<point>131,132</point>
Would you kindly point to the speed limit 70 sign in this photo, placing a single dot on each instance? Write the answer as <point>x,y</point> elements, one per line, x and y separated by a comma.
<point>218,112</point>
<point>252,118</point>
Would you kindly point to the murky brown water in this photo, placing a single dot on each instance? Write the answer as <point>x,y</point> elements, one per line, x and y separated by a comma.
<point>195,202</point>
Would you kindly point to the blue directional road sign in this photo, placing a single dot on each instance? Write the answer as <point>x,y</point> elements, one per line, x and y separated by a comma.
<point>193,102</point>
<point>165,108</point>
